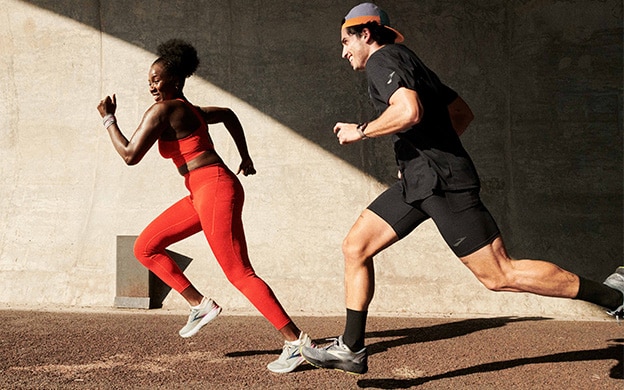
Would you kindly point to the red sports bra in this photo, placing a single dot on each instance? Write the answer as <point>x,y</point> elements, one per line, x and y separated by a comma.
<point>183,150</point>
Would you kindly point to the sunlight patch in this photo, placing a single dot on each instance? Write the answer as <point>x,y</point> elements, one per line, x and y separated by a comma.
<point>149,365</point>
<point>408,372</point>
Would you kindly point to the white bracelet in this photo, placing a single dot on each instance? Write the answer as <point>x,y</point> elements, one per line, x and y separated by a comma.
<point>107,117</point>
<point>108,120</point>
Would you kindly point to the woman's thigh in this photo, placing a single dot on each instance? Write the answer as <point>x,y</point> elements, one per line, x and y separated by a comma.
<point>174,224</point>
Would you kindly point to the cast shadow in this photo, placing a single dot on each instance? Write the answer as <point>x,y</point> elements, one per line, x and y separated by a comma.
<point>612,352</point>
<point>438,332</point>
<point>253,353</point>
<point>158,290</point>
<point>298,73</point>
<point>415,335</point>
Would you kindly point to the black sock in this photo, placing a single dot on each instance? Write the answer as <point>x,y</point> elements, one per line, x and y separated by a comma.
<point>599,294</point>
<point>355,328</point>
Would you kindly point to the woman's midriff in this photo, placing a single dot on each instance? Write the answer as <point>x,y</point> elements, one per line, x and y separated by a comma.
<point>208,157</point>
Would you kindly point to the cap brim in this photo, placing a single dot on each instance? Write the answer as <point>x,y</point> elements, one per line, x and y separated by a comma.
<point>358,20</point>
<point>399,37</point>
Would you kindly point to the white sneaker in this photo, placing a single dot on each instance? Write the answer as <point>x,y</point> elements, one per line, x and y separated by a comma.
<point>337,356</point>
<point>207,311</point>
<point>616,281</point>
<point>290,358</point>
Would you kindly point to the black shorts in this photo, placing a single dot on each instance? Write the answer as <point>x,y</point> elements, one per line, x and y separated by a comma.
<point>462,219</point>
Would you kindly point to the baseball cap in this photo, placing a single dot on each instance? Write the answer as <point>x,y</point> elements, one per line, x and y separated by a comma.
<point>369,12</point>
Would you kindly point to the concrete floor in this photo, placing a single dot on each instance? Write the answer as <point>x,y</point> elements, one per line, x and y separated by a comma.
<point>141,349</point>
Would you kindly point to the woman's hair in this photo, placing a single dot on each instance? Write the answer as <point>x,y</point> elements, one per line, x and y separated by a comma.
<point>179,58</point>
<point>379,34</point>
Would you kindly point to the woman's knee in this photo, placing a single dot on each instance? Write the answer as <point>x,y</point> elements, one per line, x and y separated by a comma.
<point>242,280</point>
<point>144,248</point>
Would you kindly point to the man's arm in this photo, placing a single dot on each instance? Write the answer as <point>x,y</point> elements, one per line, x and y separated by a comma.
<point>404,111</point>
<point>461,115</point>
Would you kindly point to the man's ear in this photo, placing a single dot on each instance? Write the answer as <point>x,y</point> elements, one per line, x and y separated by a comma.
<point>366,34</point>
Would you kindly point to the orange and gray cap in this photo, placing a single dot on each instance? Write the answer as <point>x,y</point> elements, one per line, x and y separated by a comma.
<point>369,12</point>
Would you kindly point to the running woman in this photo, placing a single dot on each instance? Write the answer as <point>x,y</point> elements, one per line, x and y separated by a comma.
<point>215,201</point>
<point>424,118</point>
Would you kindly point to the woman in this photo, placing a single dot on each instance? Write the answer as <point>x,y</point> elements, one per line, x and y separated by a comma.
<point>216,197</point>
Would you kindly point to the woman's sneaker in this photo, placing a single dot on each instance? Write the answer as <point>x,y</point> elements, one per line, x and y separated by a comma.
<point>290,358</point>
<point>207,311</point>
<point>616,281</point>
<point>337,356</point>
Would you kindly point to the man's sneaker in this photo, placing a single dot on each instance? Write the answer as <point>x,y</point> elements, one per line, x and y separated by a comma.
<point>290,358</point>
<point>207,311</point>
<point>616,281</point>
<point>337,356</point>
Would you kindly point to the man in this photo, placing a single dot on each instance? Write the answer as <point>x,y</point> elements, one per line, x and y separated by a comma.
<point>424,117</point>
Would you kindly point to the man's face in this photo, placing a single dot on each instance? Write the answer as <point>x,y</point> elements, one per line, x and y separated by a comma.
<point>355,49</point>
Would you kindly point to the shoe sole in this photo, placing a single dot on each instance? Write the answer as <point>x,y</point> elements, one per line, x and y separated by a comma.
<point>346,370</point>
<point>337,368</point>
<point>289,369</point>
<point>204,321</point>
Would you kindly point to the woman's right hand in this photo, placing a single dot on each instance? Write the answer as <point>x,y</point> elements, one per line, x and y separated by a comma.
<point>246,167</point>
<point>107,106</point>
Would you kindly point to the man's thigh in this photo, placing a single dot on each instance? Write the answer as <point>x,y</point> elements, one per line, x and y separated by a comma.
<point>391,207</point>
<point>464,222</point>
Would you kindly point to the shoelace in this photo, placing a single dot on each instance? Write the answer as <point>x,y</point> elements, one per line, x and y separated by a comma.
<point>619,312</point>
<point>335,342</point>
<point>193,315</point>
<point>286,350</point>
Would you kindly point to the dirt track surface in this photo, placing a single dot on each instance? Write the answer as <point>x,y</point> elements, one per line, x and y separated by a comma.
<point>142,350</point>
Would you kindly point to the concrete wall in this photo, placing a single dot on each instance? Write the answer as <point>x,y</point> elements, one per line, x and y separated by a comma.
<point>544,79</point>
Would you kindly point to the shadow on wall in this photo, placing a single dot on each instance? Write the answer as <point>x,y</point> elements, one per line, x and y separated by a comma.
<point>547,97</point>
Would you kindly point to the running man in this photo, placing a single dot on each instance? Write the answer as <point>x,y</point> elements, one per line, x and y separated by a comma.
<point>424,117</point>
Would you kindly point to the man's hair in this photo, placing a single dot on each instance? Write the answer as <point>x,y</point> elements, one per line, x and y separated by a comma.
<point>379,34</point>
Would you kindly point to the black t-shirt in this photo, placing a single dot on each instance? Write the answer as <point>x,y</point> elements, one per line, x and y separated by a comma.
<point>430,155</point>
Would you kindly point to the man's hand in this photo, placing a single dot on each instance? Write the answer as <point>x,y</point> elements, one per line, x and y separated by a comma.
<point>347,133</point>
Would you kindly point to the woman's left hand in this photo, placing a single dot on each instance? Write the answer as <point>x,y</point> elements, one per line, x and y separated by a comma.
<point>107,106</point>
<point>246,167</point>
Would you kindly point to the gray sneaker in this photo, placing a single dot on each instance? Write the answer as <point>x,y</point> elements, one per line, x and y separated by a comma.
<point>337,356</point>
<point>616,281</point>
<point>207,311</point>
<point>290,358</point>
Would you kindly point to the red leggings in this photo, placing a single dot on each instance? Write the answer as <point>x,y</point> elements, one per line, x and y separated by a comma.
<point>215,205</point>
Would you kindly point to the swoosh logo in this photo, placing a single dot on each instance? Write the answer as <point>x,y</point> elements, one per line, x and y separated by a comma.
<point>458,242</point>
